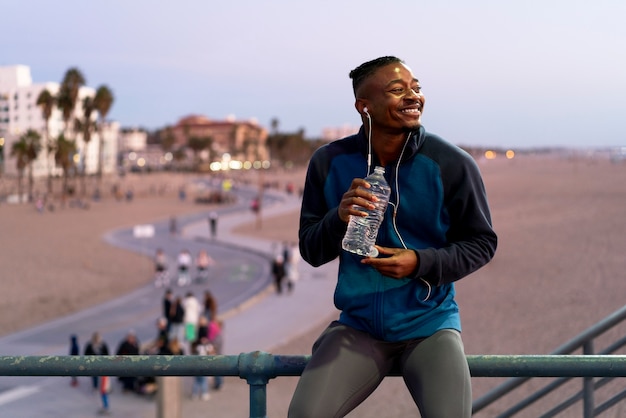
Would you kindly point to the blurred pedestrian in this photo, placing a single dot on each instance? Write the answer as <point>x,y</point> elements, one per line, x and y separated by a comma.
<point>278,271</point>
<point>216,339</point>
<point>96,347</point>
<point>203,264</point>
<point>105,388</point>
<point>210,305</point>
<point>160,267</point>
<point>213,224</point>
<point>74,351</point>
<point>168,300</point>
<point>193,309</point>
<point>200,388</point>
<point>184,264</point>
<point>203,328</point>
<point>292,267</point>
<point>173,226</point>
<point>177,319</point>
<point>129,346</point>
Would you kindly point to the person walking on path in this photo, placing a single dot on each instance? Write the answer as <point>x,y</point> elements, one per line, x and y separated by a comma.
<point>278,272</point>
<point>129,346</point>
<point>203,263</point>
<point>291,267</point>
<point>396,310</point>
<point>210,305</point>
<point>105,389</point>
<point>213,224</point>
<point>74,351</point>
<point>160,267</point>
<point>216,339</point>
<point>184,265</point>
<point>200,387</point>
<point>173,226</point>
<point>193,309</point>
<point>177,320</point>
<point>96,347</point>
<point>168,312</point>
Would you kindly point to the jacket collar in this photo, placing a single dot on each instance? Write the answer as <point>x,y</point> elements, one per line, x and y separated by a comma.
<point>416,141</point>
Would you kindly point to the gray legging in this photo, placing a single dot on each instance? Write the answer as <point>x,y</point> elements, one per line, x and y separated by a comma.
<point>347,365</point>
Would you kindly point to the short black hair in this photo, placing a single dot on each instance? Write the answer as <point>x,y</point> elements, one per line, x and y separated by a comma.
<point>363,71</point>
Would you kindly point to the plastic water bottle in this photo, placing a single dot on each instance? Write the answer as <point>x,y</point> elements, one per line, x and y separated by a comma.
<point>362,231</point>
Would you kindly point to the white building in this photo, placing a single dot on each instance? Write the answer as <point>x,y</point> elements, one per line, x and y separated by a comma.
<point>133,140</point>
<point>19,112</point>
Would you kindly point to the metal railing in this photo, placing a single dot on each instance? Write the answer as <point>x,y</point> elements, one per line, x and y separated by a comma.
<point>258,368</point>
<point>584,342</point>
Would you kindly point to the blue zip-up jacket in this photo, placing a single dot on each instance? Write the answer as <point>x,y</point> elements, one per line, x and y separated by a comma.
<point>442,214</point>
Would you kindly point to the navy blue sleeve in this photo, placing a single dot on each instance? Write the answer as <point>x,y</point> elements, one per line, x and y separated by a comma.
<point>321,230</point>
<point>471,240</point>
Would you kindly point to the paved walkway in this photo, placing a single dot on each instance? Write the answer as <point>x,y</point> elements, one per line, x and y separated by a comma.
<point>262,323</point>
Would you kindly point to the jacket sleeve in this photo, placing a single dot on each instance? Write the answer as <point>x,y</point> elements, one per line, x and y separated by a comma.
<point>321,230</point>
<point>471,240</point>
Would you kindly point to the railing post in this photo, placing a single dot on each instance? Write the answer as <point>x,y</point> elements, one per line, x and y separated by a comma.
<point>588,401</point>
<point>257,368</point>
<point>169,397</point>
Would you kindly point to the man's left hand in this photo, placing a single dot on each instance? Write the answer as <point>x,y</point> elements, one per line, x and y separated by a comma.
<point>393,262</point>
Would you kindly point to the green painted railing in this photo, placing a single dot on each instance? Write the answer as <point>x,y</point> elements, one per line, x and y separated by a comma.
<point>258,368</point>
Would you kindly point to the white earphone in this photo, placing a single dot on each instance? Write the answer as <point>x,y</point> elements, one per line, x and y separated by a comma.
<point>365,110</point>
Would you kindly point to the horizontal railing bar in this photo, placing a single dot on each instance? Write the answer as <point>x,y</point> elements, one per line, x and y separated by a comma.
<point>548,365</point>
<point>259,363</point>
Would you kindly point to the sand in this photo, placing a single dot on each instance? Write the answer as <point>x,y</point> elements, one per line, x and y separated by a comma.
<point>559,266</point>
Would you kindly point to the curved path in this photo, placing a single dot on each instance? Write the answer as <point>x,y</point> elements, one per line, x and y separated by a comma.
<point>255,318</point>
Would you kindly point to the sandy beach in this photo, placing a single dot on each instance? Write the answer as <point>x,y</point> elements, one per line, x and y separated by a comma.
<point>558,269</point>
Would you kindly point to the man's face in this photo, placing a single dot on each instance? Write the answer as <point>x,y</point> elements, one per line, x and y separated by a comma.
<point>394,98</point>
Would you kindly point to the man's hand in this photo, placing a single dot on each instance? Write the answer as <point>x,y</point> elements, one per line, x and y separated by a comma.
<point>354,197</point>
<point>393,262</point>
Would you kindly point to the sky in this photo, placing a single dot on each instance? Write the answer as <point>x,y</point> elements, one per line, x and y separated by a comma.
<point>514,74</point>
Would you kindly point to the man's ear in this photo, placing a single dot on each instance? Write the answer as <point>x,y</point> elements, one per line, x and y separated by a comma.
<point>360,106</point>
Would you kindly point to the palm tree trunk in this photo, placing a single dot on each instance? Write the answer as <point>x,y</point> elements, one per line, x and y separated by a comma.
<point>20,176</point>
<point>48,164</point>
<point>65,182</point>
<point>30,182</point>
<point>83,174</point>
<point>99,158</point>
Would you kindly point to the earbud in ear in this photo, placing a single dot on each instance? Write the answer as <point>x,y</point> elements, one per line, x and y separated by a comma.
<point>365,109</point>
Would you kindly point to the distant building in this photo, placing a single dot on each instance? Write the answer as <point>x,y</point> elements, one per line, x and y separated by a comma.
<point>132,139</point>
<point>334,133</point>
<point>19,112</point>
<point>243,140</point>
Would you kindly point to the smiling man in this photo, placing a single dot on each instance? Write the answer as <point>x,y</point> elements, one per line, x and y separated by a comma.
<point>397,310</point>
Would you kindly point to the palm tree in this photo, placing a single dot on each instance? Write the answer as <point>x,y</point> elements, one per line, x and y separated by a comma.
<point>68,94</point>
<point>85,126</point>
<point>102,103</point>
<point>197,145</point>
<point>274,123</point>
<point>64,151</point>
<point>46,102</point>
<point>167,139</point>
<point>26,151</point>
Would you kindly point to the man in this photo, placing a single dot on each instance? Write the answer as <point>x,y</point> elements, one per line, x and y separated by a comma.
<point>398,310</point>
